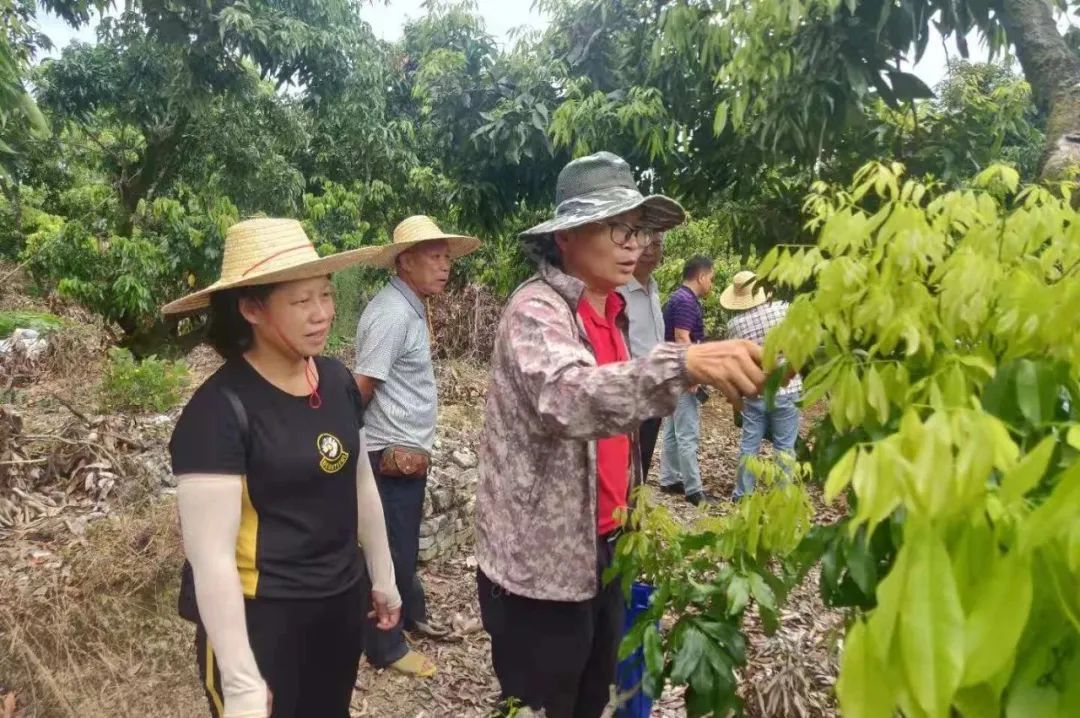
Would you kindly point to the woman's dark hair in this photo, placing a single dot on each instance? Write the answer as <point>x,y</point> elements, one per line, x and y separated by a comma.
<point>542,248</point>
<point>695,266</point>
<point>227,331</point>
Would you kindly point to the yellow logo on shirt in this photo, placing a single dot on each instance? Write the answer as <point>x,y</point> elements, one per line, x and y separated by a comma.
<point>333,454</point>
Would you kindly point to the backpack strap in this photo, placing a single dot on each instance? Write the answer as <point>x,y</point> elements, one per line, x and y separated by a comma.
<point>241,417</point>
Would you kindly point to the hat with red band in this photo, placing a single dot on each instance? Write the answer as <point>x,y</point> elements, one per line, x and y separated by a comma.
<point>264,251</point>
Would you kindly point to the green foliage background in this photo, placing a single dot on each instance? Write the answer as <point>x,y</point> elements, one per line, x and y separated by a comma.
<point>119,182</point>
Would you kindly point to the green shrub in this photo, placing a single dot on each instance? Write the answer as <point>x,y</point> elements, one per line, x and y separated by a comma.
<point>353,289</point>
<point>140,386</point>
<point>38,321</point>
<point>175,245</point>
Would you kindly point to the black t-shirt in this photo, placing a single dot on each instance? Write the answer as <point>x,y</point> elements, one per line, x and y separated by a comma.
<point>298,519</point>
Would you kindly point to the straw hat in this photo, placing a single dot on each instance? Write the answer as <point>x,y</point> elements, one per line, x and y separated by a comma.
<point>411,232</point>
<point>265,251</point>
<point>742,294</point>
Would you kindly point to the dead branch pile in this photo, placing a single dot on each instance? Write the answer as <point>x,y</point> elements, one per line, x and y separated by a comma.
<point>74,470</point>
<point>461,383</point>
<point>464,323</point>
<point>18,366</point>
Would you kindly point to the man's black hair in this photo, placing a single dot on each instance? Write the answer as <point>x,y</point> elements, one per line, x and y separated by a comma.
<point>695,266</point>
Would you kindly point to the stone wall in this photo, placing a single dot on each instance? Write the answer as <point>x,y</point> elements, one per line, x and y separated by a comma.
<point>451,496</point>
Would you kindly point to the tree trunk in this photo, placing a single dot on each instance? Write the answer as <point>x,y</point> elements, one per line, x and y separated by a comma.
<point>158,165</point>
<point>1053,71</point>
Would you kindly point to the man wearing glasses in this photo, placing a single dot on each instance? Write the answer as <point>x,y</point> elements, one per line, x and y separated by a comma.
<point>558,453</point>
<point>642,297</point>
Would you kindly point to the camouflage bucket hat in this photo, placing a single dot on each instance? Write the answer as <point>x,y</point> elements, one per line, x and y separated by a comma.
<point>601,186</point>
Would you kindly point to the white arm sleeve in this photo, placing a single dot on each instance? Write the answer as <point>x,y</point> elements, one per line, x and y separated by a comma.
<point>371,529</point>
<point>210,521</point>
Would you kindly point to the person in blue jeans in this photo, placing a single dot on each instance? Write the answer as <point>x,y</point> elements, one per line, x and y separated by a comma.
<point>755,316</point>
<point>684,323</point>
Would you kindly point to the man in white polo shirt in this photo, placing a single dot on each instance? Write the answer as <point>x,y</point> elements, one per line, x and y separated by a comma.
<point>646,328</point>
<point>397,381</point>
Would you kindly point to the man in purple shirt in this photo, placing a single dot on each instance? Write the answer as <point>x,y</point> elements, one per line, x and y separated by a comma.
<point>684,323</point>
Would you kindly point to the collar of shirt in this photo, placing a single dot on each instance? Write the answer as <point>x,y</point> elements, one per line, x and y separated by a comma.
<point>612,306</point>
<point>635,286</point>
<point>690,293</point>
<point>410,296</point>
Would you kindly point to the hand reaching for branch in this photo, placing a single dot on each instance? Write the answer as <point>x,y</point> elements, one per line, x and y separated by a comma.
<point>733,366</point>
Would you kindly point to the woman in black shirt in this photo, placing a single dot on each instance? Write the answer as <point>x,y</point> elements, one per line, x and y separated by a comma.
<point>272,496</point>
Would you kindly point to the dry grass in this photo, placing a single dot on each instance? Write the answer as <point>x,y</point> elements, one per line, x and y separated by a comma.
<point>99,635</point>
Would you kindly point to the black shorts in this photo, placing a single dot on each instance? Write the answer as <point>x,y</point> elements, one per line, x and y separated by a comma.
<point>307,650</point>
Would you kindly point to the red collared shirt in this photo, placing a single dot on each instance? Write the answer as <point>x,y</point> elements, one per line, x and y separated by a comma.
<point>612,453</point>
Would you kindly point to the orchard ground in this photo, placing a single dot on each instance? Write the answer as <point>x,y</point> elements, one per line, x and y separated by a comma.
<point>88,571</point>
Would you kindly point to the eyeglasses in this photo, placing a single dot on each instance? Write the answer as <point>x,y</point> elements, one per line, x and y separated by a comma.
<point>623,234</point>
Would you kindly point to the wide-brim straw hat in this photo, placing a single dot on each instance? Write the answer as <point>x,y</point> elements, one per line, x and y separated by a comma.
<point>265,251</point>
<point>412,232</point>
<point>742,293</point>
<point>601,186</point>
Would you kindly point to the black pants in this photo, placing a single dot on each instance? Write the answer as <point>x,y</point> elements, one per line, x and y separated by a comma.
<point>403,506</point>
<point>650,429</point>
<point>308,650</point>
<point>555,655</point>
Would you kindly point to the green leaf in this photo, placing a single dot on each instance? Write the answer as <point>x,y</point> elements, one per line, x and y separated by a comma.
<point>1056,514</point>
<point>699,702</point>
<point>978,701</point>
<point>931,622</point>
<point>654,655</point>
<point>860,564</point>
<point>726,635</point>
<point>773,384</point>
<point>1036,391</point>
<point>908,86</point>
<point>690,652</point>
<point>632,640</point>
<point>997,619</point>
<point>738,595</point>
<point>766,601</point>
<point>1073,436</point>
<point>885,617</point>
<point>720,122</point>
<point>863,688</point>
<point>652,685</point>
<point>761,592</point>
<point>841,475</point>
<point>876,396</point>
<point>1023,477</point>
<point>977,362</point>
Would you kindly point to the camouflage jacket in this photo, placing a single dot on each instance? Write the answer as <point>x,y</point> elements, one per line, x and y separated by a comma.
<point>547,403</point>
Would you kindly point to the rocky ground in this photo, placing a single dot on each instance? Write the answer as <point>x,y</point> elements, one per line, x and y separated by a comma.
<point>89,557</point>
